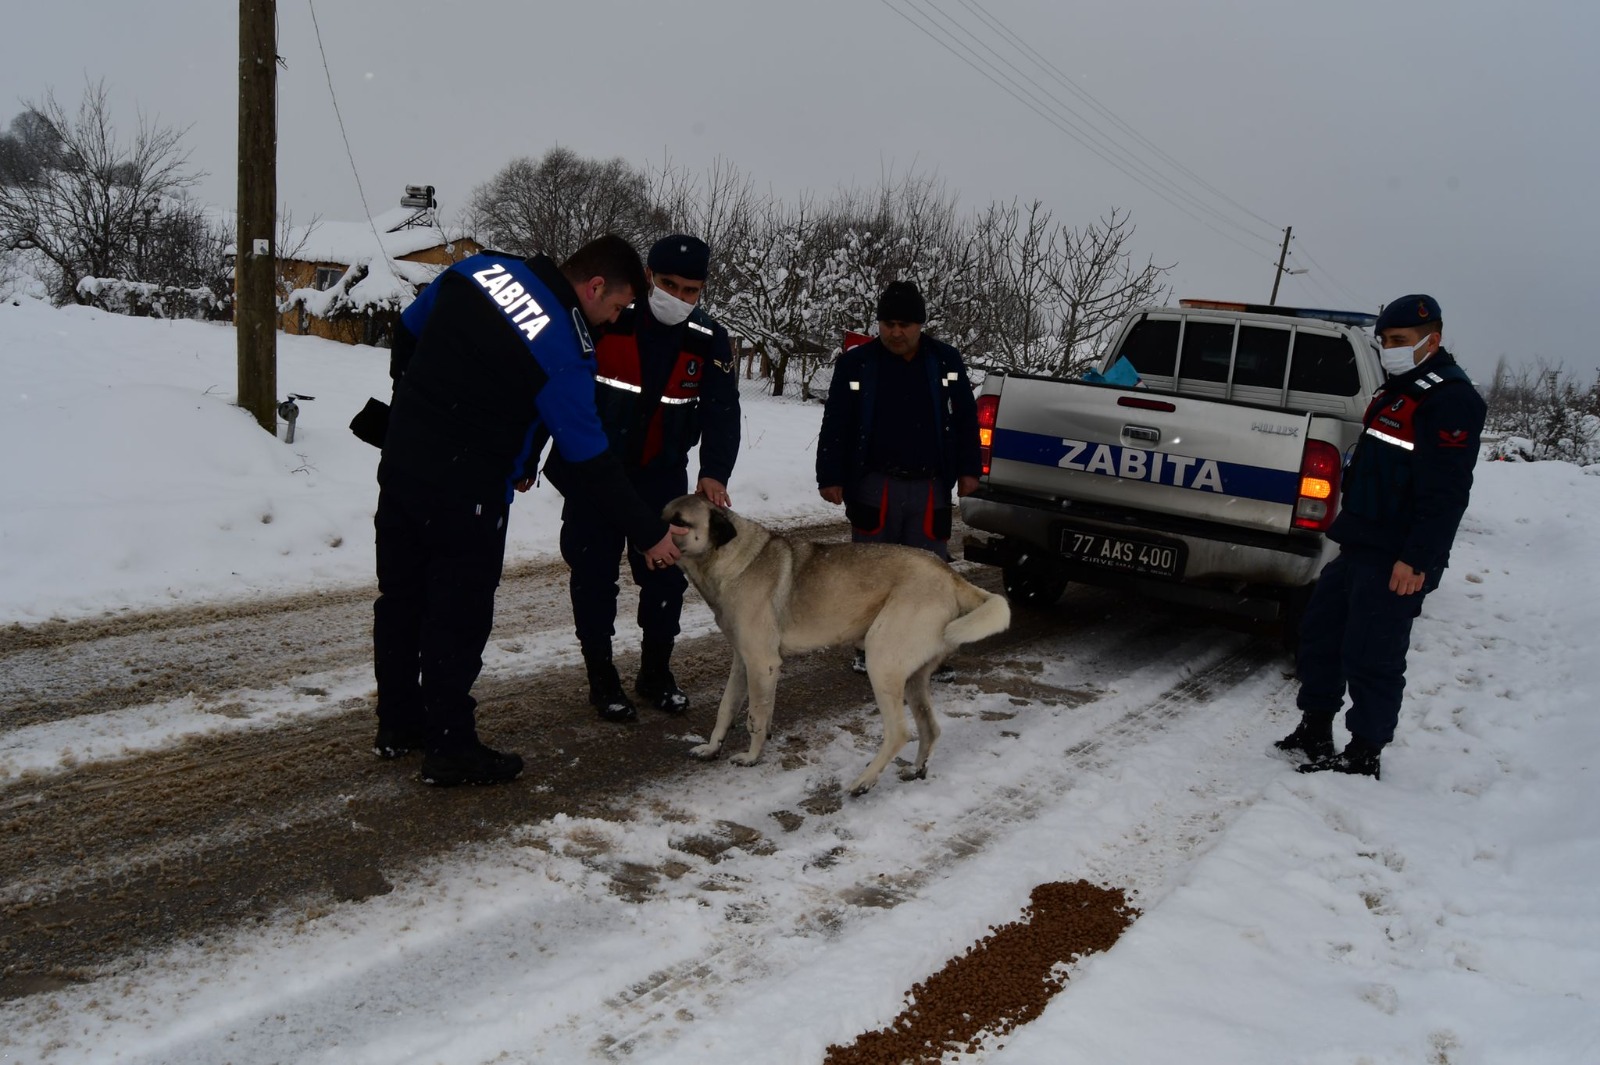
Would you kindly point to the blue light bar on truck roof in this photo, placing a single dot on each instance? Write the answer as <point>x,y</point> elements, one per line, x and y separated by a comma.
<point>1358,318</point>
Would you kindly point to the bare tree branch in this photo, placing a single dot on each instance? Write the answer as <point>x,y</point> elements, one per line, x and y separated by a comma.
<point>89,203</point>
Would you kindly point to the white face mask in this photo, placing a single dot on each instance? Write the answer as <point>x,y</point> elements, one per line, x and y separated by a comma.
<point>1401,360</point>
<point>668,309</point>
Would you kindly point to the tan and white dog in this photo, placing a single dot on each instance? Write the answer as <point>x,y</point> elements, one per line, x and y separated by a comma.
<point>773,596</point>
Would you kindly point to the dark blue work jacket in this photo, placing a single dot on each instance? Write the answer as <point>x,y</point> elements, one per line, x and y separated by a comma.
<point>854,401</point>
<point>1408,479</point>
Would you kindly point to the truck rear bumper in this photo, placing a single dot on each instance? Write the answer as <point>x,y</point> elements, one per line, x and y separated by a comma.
<point>1218,559</point>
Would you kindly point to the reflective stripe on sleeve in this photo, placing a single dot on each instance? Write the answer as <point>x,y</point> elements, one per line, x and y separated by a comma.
<point>614,383</point>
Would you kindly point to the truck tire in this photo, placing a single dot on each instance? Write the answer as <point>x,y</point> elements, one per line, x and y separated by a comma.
<point>1035,579</point>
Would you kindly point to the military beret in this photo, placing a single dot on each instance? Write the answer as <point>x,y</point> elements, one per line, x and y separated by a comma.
<point>680,254</point>
<point>1407,312</point>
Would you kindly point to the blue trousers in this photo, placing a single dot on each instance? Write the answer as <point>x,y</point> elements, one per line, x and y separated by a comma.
<point>439,564</point>
<point>1354,637</point>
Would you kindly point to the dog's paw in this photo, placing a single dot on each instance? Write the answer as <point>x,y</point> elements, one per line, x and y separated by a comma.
<point>862,785</point>
<point>914,773</point>
<point>706,751</point>
<point>745,759</point>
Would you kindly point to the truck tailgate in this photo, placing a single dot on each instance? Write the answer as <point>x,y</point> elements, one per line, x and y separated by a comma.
<point>1200,458</point>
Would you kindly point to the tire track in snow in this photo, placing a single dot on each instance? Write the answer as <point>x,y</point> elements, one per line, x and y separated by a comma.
<point>658,1009</point>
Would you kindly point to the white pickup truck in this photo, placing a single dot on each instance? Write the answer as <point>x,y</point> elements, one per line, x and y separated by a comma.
<point>1210,481</point>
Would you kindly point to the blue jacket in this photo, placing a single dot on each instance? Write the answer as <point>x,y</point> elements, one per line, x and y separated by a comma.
<point>1408,479</point>
<point>853,399</point>
<point>492,360</point>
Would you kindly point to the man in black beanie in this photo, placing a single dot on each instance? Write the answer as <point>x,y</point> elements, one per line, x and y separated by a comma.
<point>899,432</point>
<point>666,379</point>
<point>1405,489</point>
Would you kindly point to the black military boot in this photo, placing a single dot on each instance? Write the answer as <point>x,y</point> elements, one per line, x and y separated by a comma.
<point>655,681</point>
<point>1359,758</point>
<point>474,765</point>
<point>605,689</point>
<point>1313,737</point>
<point>397,741</point>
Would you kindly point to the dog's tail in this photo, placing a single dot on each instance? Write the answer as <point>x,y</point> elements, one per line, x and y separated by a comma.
<point>982,614</point>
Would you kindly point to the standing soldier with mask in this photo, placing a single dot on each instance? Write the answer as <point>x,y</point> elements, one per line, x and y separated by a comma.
<point>1405,490</point>
<point>666,380</point>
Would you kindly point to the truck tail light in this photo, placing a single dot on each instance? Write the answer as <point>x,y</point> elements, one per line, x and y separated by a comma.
<point>988,409</point>
<point>1318,501</point>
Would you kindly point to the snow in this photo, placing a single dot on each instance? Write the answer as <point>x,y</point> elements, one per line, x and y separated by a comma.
<point>1444,914</point>
<point>348,242</point>
<point>373,251</point>
<point>135,482</point>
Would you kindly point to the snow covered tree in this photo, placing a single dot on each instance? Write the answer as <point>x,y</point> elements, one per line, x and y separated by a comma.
<point>89,203</point>
<point>1539,413</point>
<point>774,301</point>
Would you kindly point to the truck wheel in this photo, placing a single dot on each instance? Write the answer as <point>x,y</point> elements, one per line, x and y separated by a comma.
<point>1033,580</point>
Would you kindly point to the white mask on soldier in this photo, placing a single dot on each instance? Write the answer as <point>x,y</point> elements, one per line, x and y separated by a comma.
<point>668,309</point>
<point>1401,360</point>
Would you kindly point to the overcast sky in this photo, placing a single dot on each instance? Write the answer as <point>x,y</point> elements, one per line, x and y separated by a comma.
<point>1446,146</point>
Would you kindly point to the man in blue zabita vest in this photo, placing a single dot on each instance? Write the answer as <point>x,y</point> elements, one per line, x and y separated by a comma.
<point>490,362</point>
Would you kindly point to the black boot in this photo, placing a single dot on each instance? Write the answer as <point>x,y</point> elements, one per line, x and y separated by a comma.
<point>474,765</point>
<point>1360,758</point>
<point>605,689</point>
<point>1313,737</point>
<point>655,681</point>
<point>397,741</point>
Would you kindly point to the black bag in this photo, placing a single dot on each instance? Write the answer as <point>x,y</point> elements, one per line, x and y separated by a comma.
<point>371,424</point>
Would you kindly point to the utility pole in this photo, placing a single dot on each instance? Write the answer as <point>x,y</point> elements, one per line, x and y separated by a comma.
<point>255,304</point>
<point>1278,274</point>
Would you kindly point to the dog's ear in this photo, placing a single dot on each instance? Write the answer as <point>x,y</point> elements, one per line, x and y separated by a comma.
<point>721,527</point>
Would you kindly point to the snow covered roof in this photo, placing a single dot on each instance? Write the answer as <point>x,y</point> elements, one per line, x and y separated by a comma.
<point>349,242</point>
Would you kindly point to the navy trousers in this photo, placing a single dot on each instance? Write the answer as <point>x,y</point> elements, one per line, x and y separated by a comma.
<point>593,548</point>
<point>1354,636</point>
<point>908,512</point>
<point>438,567</point>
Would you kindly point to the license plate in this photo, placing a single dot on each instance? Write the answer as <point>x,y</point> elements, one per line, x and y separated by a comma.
<point>1149,558</point>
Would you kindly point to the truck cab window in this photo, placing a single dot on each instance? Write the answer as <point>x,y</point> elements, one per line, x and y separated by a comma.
<point>1207,350</point>
<point>1152,347</point>
<point>1325,364</point>
<point>1262,358</point>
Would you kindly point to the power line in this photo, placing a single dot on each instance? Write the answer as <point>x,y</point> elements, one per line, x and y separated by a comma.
<point>1323,294</point>
<point>349,154</point>
<point>1083,94</point>
<point>1357,300</point>
<point>1063,127</point>
<point>1016,91</point>
<point>1108,141</point>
